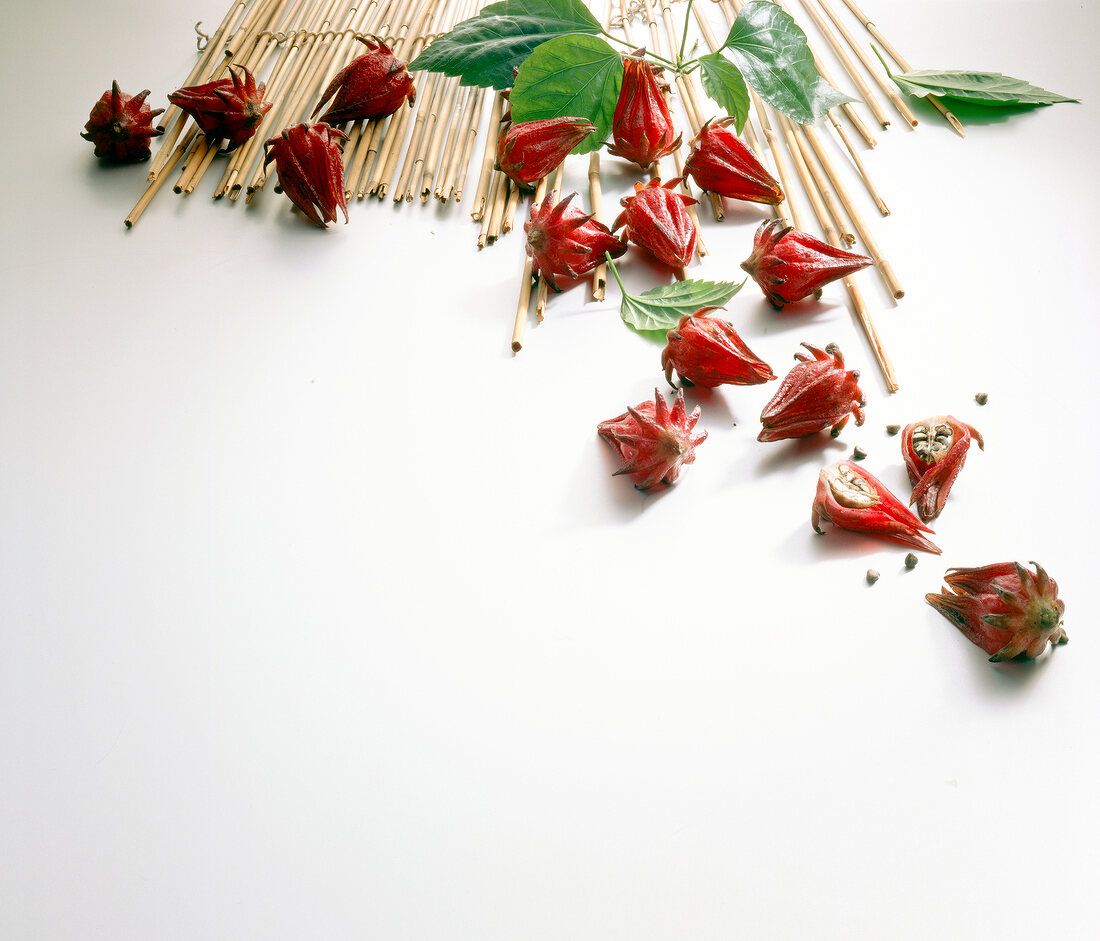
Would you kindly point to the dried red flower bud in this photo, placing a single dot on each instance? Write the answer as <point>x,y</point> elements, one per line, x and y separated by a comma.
<point>530,150</point>
<point>230,108</point>
<point>642,129</point>
<point>706,351</point>
<point>656,218</point>
<point>121,125</point>
<point>816,394</point>
<point>935,450</point>
<point>372,85</point>
<point>790,265</point>
<point>565,242</point>
<point>311,169</point>
<point>720,163</point>
<point>851,498</point>
<point>652,441</point>
<point>1004,609</point>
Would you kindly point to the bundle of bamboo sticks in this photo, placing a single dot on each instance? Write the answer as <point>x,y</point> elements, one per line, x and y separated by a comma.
<point>297,46</point>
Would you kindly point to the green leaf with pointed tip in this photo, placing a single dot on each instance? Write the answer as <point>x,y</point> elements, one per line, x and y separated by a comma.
<point>486,49</point>
<point>980,88</point>
<point>723,82</point>
<point>661,308</point>
<point>771,51</point>
<point>572,76</point>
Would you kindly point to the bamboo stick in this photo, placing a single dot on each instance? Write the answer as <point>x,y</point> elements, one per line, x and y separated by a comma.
<point>821,180</point>
<point>168,166</point>
<point>595,197</point>
<point>541,291</point>
<point>888,88</point>
<point>496,213</point>
<point>885,269</point>
<point>452,145</point>
<point>869,97</point>
<point>820,210</point>
<point>524,303</point>
<point>488,157</point>
<point>933,100</point>
<point>459,166</point>
<point>490,201</point>
<point>405,184</point>
<point>509,218</point>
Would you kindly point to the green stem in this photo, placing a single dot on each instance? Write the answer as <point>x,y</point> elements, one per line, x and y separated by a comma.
<point>652,55</point>
<point>684,38</point>
<point>615,271</point>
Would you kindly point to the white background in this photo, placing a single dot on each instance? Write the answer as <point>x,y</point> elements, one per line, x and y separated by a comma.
<point>321,615</point>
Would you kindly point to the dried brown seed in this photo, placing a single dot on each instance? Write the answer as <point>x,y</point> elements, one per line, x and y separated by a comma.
<point>858,454</point>
<point>872,576</point>
<point>911,561</point>
<point>893,429</point>
<point>981,398</point>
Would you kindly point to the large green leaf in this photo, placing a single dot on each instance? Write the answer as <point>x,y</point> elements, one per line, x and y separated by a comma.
<point>723,82</point>
<point>980,88</point>
<point>486,49</point>
<point>572,76</point>
<point>661,308</point>
<point>773,55</point>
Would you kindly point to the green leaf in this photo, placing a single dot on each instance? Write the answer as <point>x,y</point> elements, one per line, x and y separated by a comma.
<point>775,59</point>
<point>661,308</point>
<point>981,88</point>
<point>723,82</point>
<point>572,76</point>
<point>486,49</point>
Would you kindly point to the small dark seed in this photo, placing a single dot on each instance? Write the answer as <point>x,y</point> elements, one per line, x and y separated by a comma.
<point>872,576</point>
<point>981,398</point>
<point>893,429</point>
<point>910,561</point>
<point>858,454</point>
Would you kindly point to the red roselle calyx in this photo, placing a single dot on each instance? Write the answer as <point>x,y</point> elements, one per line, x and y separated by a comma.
<point>719,162</point>
<point>642,129</point>
<point>372,85</point>
<point>530,150</point>
<point>565,242</point>
<point>656,218</point>
<point>706,351</point>
<point>851,498</point>
<point>311,169</point>
<point>121,125</point>
<point>1005,609</point>
<point>653,441</point>
<point>790,265</point>
<point>935,450</point>
<point>230,108</point>
<point>817,393</point>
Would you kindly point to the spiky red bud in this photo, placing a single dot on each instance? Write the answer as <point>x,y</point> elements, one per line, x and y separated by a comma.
<point>565,242</point>
<point>935,450</point>
<point>656,218</point>
<point>720,163</point>
<point>311,169</point>
<point>230,108</point>
<point>817,393</point>
<point>653,441</point>
<point>528,151</point>
<point>1008,611</point>
<point>121,126</point>
<point>642,129</point>
<point>852,498</point>
<point>372,85</point>
<point>790,265</point>
<point>706,351</point>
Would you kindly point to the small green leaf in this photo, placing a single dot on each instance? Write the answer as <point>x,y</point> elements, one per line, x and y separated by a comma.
<point>723,82</point>
<point>661,308</point>
<point>981,88</point>
<point>775,59</point>
<point>486,49</point>
<point>572,76</point>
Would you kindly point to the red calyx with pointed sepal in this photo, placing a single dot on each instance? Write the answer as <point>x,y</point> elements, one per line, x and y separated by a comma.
<point>852,498</point>
<point>656,218</point>
<point>642,130</point>
<point>565,242</point>
<point>817,393</point>
<point>528,151</point>
<point>653,441</point>
<point>720,163</point>
<point>1008,611</point>
<point>121,126</point>
<point>371,86</point>
<point>706,351</point>
<point>935,451</point>
<point>311,169</point>
<point>790,265</point>
<point>230,108</point>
